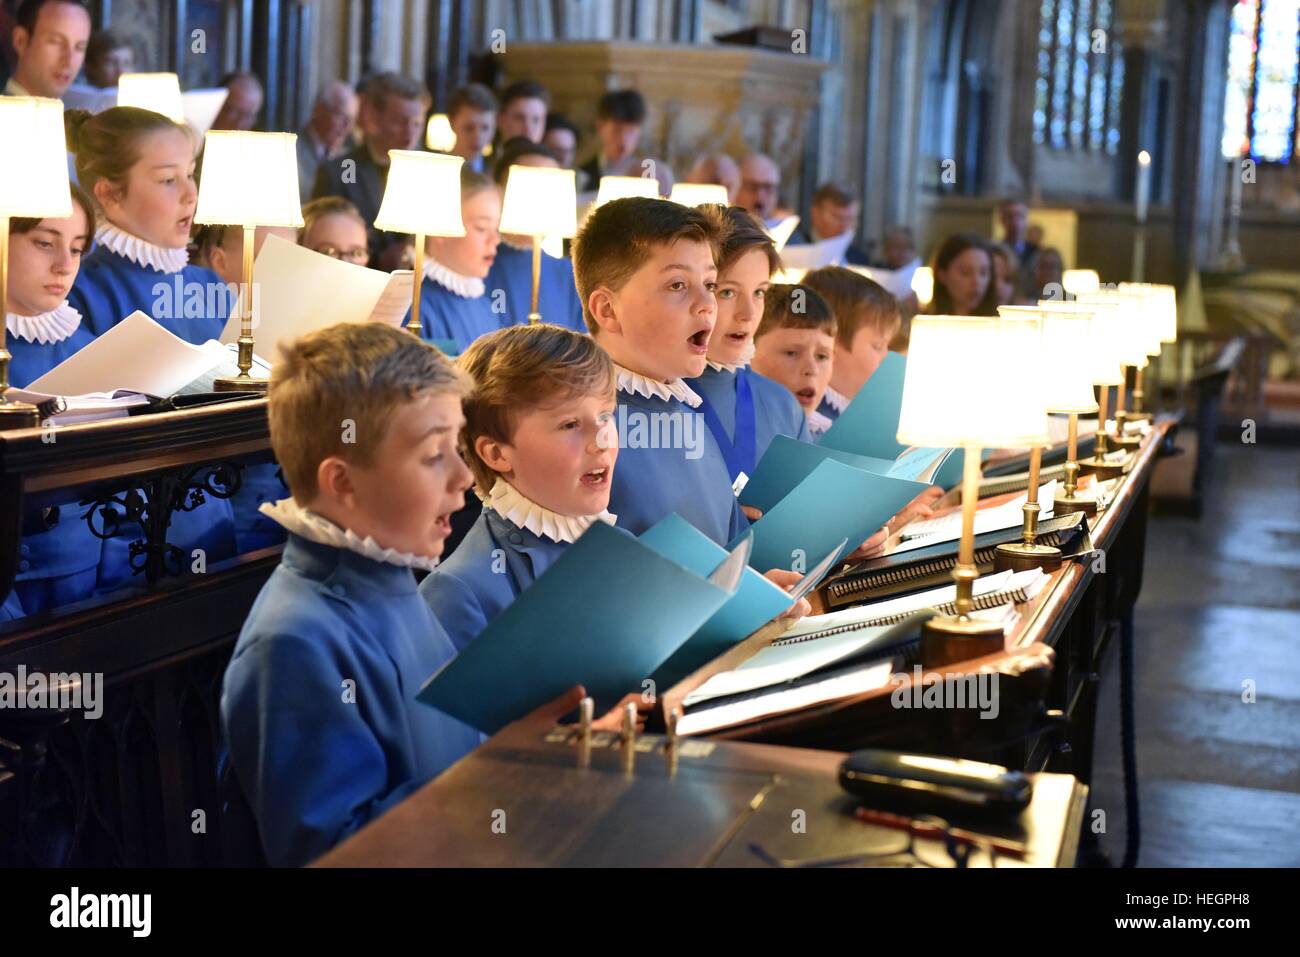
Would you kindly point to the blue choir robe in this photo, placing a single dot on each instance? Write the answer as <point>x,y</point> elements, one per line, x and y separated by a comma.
<point>258,483</point>
<point>650,483</point>
<point>318,707</point>
<point>58,565</point>
<point>11,609</point>
<point>193,304</point>
<point>446,315</point>
<point>776,411</point>
<point>828,410</point>
<point>494,563</point>
<point>557,296</point>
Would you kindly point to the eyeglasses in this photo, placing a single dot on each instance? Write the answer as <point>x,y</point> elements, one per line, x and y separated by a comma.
<point>360,255</point>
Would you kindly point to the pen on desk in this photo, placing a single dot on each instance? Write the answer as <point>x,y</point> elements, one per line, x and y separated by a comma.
<point>923,829</point>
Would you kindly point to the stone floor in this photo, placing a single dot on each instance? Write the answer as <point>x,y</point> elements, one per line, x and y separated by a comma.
<point>1219,612</point>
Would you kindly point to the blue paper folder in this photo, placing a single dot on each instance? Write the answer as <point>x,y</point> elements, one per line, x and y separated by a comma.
<point>869,424</point>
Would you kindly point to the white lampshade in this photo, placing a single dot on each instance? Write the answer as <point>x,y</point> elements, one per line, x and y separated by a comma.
<point>1144,320</point>
<point>160,92</point>
<point>249,179</point>
<point>923,285</point>
<point>540,201</point>
<point>422,195</point>
<point>965,384</point>
<point>1068,355</point>
<point>700,194</point>
<point>34,165</point>
<point>1168,310</point>
<point>1109,322</point>
<point>1021,334</point>
<point>438,134</point>
<point>1158,307</point>
<point>1076,281</point>
<point>621,187</point>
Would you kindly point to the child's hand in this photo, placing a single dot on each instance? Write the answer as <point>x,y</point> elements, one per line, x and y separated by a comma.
<point>751,513</point>
<point>872,547</point>
<point>920,507</point>
<point>613,719</point>
<point>785,580</point>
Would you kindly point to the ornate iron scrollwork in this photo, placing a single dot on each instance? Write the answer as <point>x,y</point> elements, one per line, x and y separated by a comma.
<point>150,506</point>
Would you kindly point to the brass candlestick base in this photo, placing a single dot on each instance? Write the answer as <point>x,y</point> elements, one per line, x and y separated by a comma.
<point>1078,502</point>
<point>239,383</point>
<point>955,638</point>
<point>18,415</point>
<point>1098,466</point>
<point>1120,439</point>
<point>1022,556</point>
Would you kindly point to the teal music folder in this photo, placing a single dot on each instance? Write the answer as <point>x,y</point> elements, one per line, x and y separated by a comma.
<point>870,423</point>
<point>835,501</point>
<point>787,462</point>
<point>605,615</point>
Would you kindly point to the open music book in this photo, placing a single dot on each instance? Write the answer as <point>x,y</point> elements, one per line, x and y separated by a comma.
<point>947,528</point>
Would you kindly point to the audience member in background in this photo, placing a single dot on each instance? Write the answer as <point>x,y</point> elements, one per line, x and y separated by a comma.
<point>332,227</point>
<point>523,111</point>
<point>1034,234</point>
<point>619,119</point>
<point>472,113</point>
<point>1049,270</point>
<point>963,278</point>
<point>760,188</point>
<point>1014,217</point>
<point>243,102</point>
<point>327,133</point>
<point>833,212</point>
<point>392,118</point>
<point>717,168</point>
<point>562,139</point>
<point>897,249</point>
<point>108,56</point>
<point>50,39</point>
<point>1006,272</point>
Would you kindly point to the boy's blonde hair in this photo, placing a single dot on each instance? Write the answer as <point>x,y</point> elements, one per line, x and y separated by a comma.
<point>794,307</point>
<point>856,302</point>
<point>521,368</point>
<point>346,381</point>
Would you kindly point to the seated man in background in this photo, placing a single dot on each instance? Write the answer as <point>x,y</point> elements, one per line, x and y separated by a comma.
<point>327,134</point>
<point>834,212</point>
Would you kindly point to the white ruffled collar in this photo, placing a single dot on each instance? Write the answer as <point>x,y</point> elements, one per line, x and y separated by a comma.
<point>140,251</point>
<point>53,326</point>
<point>836,400</point>
<point>733,366</point>
<point>467,287</point>
<point>634,383</point>
<point>818,423</point>
<point>316,528</point>
<point>512,505</point>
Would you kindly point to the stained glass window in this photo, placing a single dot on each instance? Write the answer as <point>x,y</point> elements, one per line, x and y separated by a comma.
<point>1259,104</point>
<point>1080,73</point>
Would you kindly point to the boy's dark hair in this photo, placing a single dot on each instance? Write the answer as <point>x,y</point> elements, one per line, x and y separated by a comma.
<point>381,86</point>
<point>744,232</point>
<point>520,368</point>
<point>618,238</point>
<point>795,307</point>
<point>104,42</point>
<point>472,96</point>
<point>856,301</point>
<point>524,90</point>
<point>515,149</point>
<point>839,194</point>
<point>560,121</point>
<point>30,10</point>
<point>622,106</point>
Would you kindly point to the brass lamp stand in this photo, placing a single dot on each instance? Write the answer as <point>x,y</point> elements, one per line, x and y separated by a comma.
<point>1119,439</point>
<point>1069,499</point>
<point>244,382</point>
<point>1028,553</point>
<point>1097,464</point>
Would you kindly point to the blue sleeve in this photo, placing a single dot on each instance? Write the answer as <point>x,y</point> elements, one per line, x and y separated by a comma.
<point>311,767</point>
<point>455,605</point>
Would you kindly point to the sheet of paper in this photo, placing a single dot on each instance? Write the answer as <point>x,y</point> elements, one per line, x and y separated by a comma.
<point>947,528</point>
<point>136,355</point>
<point>83,408</point>
<point>827,252</point>
<point>870,423</point>
<point>783,230</point>
<point>299,291</point>
<point>897,282</point>
<point>835,501</point>
<point>785,700</point>
<point>201,108</point>
<point>932,466</point>
<point>606,614</point>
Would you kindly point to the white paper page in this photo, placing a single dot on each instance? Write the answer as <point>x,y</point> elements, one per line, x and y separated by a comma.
<point>828,252</point>
<point>902,605</point>
<point>300,291</point>
<point>947,528</point>
<point>201,108</point>
<point>782,231</point>
<point>395,300</point>
<point>136,355</point>
<point>897,282</point>
<point>789,699</point>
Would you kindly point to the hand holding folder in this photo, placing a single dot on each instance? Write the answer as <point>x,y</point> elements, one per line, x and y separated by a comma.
<point>605,615</point>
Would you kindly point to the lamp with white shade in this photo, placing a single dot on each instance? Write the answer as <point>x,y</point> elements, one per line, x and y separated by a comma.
<point>923,285</point>
<point>438,134</point>
<point>1075,281</point>
<point>159,92</point>
<point>1160,312</point>
<point>539,202</point>
<point>622,187</point>
<point>249,180</point>
<point>421,198</point>
<point>700,194</point>
<point>1109,318</point>
<point>1140,340</point>
<point>964,386</point>
<point>33,183</point>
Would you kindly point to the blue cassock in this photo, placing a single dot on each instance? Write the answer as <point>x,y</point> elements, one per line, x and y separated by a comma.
<point>59,565</point>
<point>745,411</point>
<point>650,483</point>
<point>193,304</point>
<point>557,296</point>
<point>445,315</point>
<point>318,708</point>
